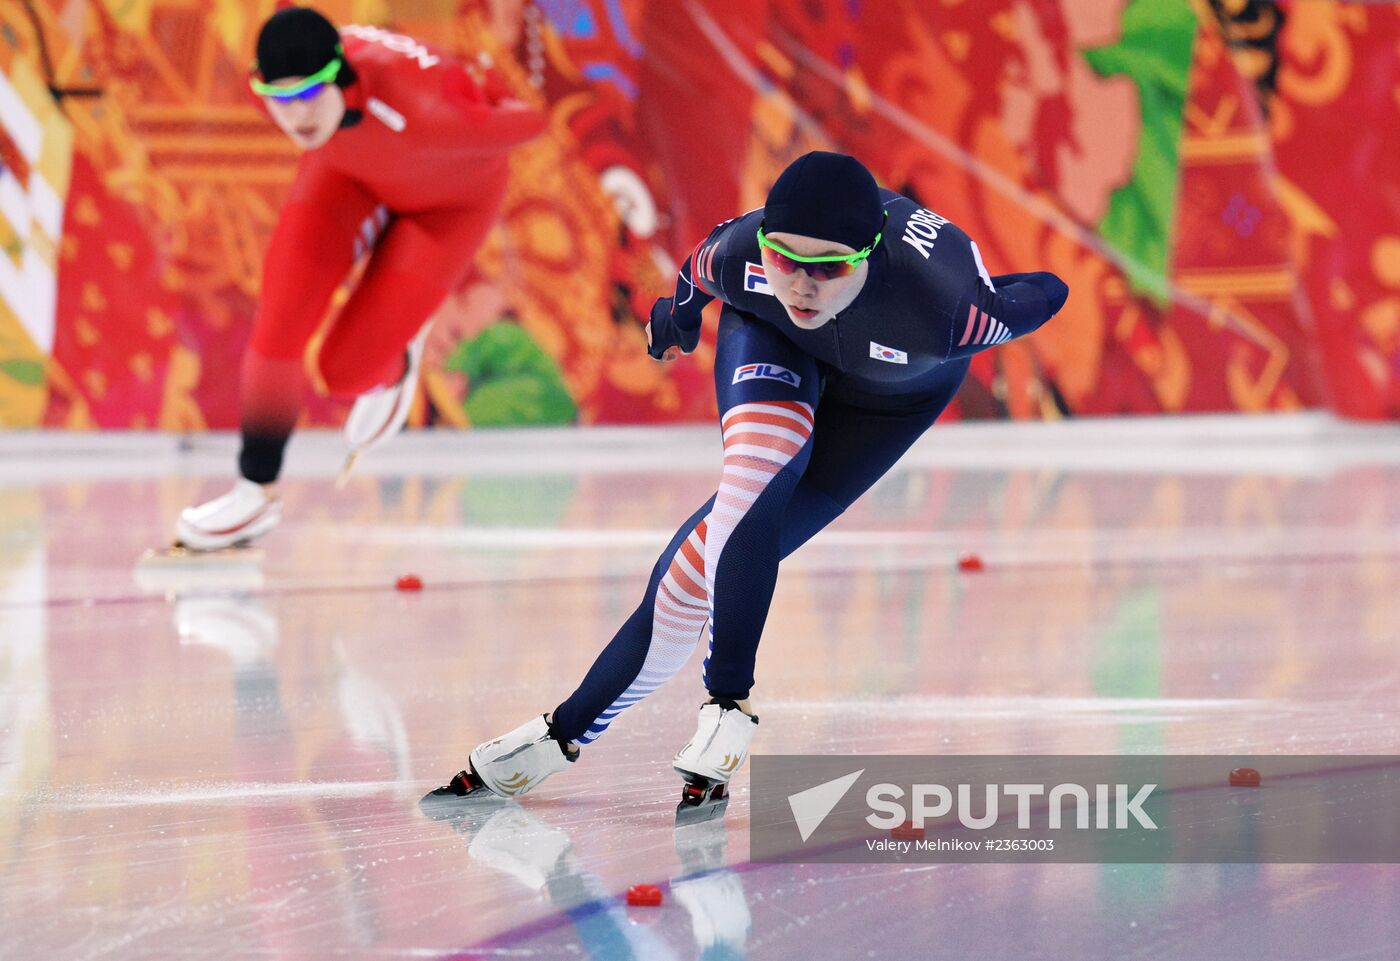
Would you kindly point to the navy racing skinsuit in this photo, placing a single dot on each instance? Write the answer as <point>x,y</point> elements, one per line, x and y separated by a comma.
<point>811,419</point>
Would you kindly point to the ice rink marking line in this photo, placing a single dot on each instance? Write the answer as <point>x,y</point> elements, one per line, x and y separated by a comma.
<point>943,563</point>
<point>991,708</point>
<point>239,793</point>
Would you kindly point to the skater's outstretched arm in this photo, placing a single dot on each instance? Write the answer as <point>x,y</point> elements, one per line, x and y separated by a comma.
<point>445,107</point>
<point>675,320</point>
<point>1020,304</point>
<point>465,122</point>
<point>1018,291</point>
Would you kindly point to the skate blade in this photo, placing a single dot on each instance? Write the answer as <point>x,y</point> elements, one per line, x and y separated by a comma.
<point>443,804</point>
<point>701,803</point>
<point>452,799</point>
<point>177,555</point>
<point>347,469</point>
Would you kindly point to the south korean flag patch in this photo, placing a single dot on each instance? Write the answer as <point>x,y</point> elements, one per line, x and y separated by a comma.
<point>888,354</point>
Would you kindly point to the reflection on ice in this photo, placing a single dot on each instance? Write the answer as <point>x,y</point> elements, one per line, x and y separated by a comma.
<point>540,857</point>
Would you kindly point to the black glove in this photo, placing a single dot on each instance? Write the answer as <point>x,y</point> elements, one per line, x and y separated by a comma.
<point>667,333</point>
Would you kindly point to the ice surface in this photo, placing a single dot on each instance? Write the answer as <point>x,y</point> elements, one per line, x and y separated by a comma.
<point>228,765</point>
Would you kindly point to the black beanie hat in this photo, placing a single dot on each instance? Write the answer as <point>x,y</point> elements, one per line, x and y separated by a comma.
<point>829,196</point>
<point>297,42</point>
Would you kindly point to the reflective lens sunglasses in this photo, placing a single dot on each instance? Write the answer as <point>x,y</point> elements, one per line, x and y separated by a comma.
<point>302,89</point>
<point>828,267</point>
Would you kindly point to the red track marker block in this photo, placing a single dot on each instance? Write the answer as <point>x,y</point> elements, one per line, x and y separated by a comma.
<point>409,582</point>
<point>907,832</point>
<point>644,896</point>
<point>1244,777</point>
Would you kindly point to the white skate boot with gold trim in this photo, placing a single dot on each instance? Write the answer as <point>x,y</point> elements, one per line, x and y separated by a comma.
<point>711,758</point>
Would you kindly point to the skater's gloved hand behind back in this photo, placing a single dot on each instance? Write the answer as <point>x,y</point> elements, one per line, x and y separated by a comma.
<point>667,338</point>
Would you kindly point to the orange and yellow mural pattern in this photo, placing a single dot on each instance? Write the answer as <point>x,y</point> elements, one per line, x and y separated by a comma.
<point>1216,180</point>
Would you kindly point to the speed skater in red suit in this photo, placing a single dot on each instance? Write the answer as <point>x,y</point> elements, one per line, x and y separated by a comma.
<point>404,155</point>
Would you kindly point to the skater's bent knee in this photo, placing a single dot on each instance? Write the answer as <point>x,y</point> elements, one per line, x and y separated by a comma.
<point>345,373</point>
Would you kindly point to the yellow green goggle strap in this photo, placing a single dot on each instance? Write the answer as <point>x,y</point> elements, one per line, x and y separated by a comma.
<point>326,74</point>
<point>851,259</point>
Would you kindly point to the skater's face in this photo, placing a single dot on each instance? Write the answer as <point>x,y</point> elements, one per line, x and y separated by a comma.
<point>311,118</point>
<point>810,302</point>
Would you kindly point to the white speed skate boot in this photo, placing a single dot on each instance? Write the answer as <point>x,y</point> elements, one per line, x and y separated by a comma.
<point>711,758</point>
<point>511,765</point>
<point>380,413</point>
<point>234,520</point>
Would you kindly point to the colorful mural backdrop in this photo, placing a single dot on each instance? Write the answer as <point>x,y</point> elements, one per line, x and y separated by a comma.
<point>1217,180</point>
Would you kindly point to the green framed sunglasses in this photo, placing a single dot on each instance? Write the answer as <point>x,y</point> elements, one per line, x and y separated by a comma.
<point>828,267</point>
<point>302,89</point>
